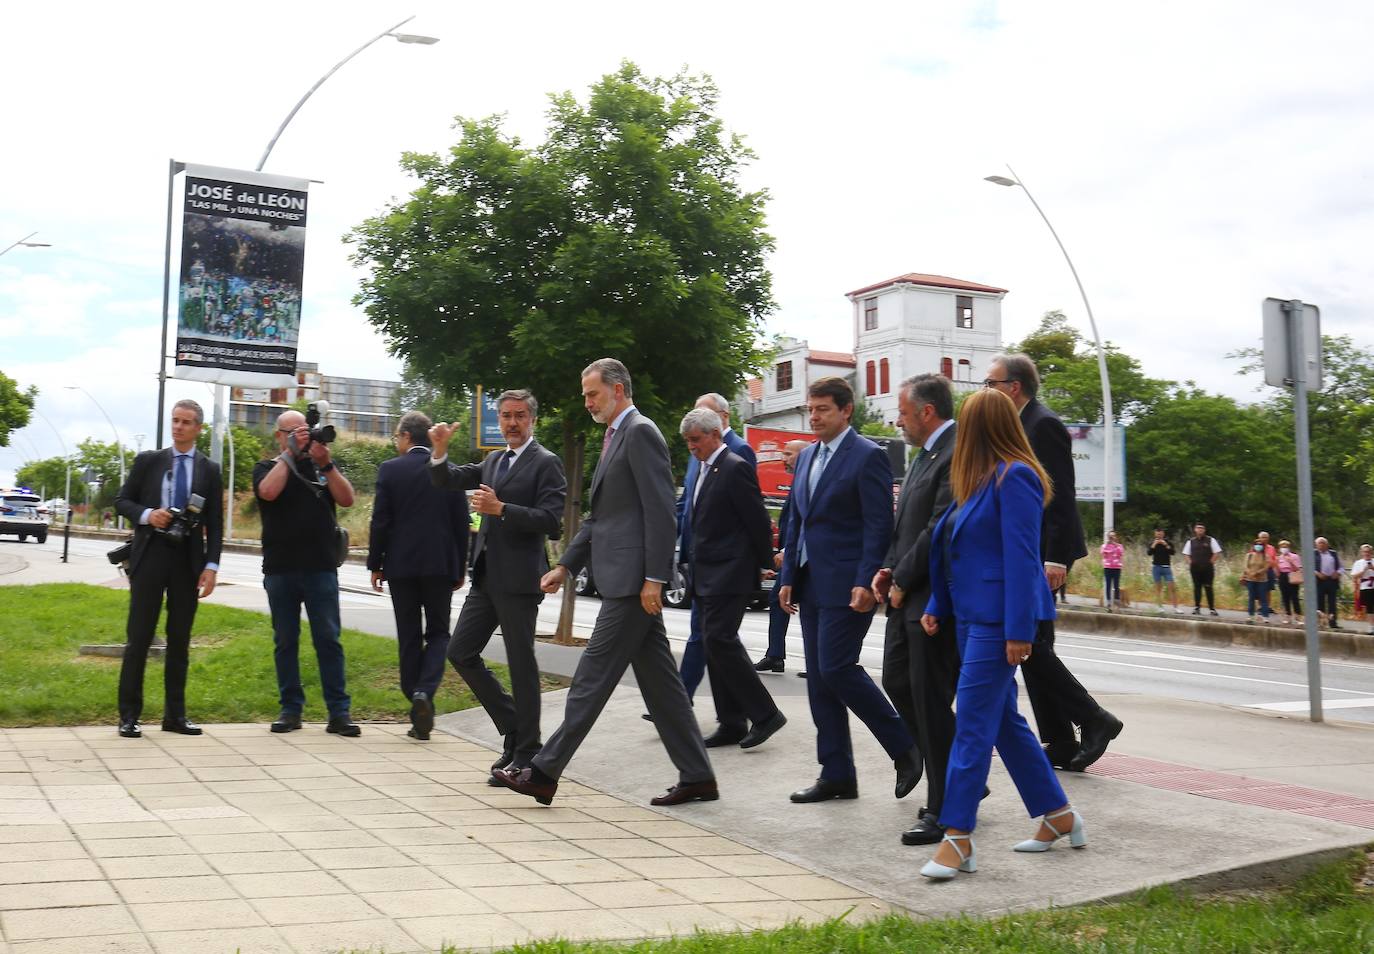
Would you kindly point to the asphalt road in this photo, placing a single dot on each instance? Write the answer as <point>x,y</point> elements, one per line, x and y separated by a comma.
<point>1272,681</point>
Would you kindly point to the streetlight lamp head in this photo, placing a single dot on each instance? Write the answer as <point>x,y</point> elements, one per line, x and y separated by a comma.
<point>415,38</point>
<point>1001,180</point>
<point>36,244</point>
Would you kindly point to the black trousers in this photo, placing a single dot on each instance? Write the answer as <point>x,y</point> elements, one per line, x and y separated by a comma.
<point>515,613</point>
<point>163,570</point>
<point>1327,593</point>
<point>1057,698</point>
<point>421,606</point>
<point>1292,604</point>
<point>920,676</point>
<point>1202,580</point>
<point>736,688</point>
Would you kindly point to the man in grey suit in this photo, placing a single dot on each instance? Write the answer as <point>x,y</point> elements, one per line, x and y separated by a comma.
<point>921,672</point>
<point>519,492</point>
<point>628,542</point>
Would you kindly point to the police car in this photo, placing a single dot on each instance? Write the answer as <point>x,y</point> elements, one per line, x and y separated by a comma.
<point>19,514</point>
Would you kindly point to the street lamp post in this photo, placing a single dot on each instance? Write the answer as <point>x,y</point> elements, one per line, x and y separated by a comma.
<point>119,445</point>
<point>1108,436</point>
<point>25,243</point>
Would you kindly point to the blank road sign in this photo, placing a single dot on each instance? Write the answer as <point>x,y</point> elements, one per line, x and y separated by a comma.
<point>1280,369</point>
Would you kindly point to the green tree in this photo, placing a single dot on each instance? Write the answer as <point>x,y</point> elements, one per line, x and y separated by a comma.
<point>249,448</point>
<point>625,233</point>
<point>419,393</point>
<point>16,406</point>
<point>49,474</point>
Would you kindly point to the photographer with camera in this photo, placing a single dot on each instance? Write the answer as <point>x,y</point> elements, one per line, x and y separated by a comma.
<point>302,548</point>
<point>173,498</point>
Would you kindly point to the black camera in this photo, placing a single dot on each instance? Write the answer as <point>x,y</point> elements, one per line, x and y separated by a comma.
<point>322,433</point>
<point>183,521</point>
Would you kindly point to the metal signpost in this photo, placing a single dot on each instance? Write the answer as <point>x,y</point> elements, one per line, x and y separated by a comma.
<point>1293,359</point>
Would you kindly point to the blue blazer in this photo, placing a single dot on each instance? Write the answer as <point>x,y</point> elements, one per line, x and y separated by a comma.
<point>998,577</point>
<point>735,445</point>
<point>849,523</point>
<point>417,529</point>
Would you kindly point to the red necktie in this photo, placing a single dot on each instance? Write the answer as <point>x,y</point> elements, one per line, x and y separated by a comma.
<point>606,441</point>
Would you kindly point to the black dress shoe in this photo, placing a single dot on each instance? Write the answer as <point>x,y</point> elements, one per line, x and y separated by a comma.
<point>801,674</point>
<point>182,726</point>
<point>528,781</point>
<point>287,722</point>
<point>1097,734</point>
<point>343,725</point>
<point>688,792</point>
<point>770,664</point>
<point>1061,754</point>
<point>725,735</point>
<point>824,790</point>
<point>910,767</point>
<point>762,731</point>
<point>422,715</point>
<point>130,730</point>
<point>507,753</point>
<point>926,831</point>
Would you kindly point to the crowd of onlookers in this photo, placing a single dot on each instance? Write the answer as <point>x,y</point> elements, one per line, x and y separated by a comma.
<point>1273,576</point>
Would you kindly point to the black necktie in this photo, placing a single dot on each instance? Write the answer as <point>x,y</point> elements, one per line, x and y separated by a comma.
<point>504,465</point>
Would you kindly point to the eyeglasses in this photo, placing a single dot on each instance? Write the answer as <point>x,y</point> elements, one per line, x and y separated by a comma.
<point>993,382</point>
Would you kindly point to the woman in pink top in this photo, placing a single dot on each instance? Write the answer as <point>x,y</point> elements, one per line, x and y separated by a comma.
<point>1112,552</point>
<point>1289,566</point>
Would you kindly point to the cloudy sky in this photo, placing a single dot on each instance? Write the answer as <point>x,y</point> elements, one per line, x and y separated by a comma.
<point>1195,158</point>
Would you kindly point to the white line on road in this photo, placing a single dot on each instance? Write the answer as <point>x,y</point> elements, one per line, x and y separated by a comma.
<point>1148,654</point>
<point>1302,705</point>
<point>1204,675</point>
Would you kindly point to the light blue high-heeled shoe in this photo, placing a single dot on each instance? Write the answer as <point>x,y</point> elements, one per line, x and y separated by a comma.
<point>967,862</point>
<point>1077,837</point>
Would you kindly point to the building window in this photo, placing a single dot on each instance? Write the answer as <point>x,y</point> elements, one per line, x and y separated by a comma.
<point>784,376</point>
<point>884,380</point>
<point>870,377</point>
<point>947,367</point>
<point>965,370</point>
<point>870,314</point>
<point>963,311</point>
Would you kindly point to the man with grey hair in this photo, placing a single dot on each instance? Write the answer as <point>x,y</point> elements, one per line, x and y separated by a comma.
<point>1059,700</point>
<point>921,672</point>
<point>519,491</point>
<point>175,553</point>
<point>628,542</point>
<point>693,655</point>
<point>418,546</point>
<point>732,543</point>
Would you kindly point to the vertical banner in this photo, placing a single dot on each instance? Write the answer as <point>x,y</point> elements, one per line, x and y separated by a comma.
<point>486,421</point>
<point>1088,458</point>
<point>239,292</point>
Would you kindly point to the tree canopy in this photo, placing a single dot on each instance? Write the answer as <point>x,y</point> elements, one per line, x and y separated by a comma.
<point>16,406</point>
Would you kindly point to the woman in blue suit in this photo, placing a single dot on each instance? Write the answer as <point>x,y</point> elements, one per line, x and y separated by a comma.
<point>985,571</point>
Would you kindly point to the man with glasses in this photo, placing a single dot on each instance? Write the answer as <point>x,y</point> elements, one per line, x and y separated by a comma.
<point>1059,700</point>
<point>418,546</point>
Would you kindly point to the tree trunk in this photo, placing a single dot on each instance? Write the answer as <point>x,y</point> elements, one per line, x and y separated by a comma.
<point>574,450</point>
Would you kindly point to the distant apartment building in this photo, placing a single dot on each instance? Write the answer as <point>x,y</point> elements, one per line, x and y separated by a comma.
<point>911,324</point>
<point>358,407</point>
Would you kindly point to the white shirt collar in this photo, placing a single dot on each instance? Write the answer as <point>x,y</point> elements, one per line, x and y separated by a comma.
<point>834,444</point>
<point>619,418</point>
<point>715,454</point>
<point>930,441</point>
<point>517,451</point>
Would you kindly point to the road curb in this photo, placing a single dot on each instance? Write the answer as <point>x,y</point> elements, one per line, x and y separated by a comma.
<point>1215,633</point>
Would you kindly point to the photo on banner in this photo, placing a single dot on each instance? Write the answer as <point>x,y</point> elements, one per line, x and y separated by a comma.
<point>242,264</point>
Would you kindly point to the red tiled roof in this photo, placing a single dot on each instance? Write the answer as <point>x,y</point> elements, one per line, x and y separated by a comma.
<point>830,357</point>
<point>937,281</point>
<point>755,386</point>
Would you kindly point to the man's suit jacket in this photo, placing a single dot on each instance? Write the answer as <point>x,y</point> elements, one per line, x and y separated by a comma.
<point>924,498</point>
<point>143,490</point>
<point>848,524</point>
<point>1061,541</point>
<point>735,445</point>
<point>513,544</point>
<point>629,536</point>
<point>732,535</point>
<point>417,530</point>
<point>999,578</point>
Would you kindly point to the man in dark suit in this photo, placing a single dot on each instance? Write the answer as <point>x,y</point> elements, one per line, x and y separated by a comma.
<point>519,493</point>
<point>1058,699</point>
<point>418,545</point>
<point>628,542</point>
<point>732,541</point>
<point>921,672</point>
<point>693,655</point>
<point>840,528</point>
<point>775,659</point>
<point>172,557</point>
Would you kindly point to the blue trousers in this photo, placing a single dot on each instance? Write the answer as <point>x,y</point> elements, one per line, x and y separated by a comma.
<point>318,590</point>
<point>693,654</point>
<point>987,718</point>
<point>832,637</point>
<point>777,626</point>
<point>1257,594</point>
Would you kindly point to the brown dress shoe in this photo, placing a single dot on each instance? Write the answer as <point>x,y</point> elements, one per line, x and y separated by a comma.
<point>688,792</point>
<point>523,780</point>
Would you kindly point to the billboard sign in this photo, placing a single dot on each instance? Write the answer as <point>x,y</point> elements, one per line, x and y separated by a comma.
<point>486,421</point>
<point>1088,458</point>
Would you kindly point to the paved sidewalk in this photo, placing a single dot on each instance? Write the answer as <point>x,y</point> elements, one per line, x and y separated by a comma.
<point>305,842</point>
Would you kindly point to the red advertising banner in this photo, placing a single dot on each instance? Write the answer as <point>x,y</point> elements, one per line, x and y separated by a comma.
<point>768,442</point>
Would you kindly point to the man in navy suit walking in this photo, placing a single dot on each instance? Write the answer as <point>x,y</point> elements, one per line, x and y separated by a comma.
<point>418,546</point>
<point>837,536</point>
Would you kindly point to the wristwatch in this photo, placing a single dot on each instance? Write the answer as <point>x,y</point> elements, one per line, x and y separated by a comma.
<point>327,467</point>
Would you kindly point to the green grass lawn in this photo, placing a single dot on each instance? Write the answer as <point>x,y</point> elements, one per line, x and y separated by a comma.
<point>1330,911</point>
<point>44,681</point>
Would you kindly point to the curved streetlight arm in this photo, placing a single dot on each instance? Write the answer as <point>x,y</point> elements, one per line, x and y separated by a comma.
<point>26,243</point>
<point>320,82</point>
<point>67,493</point>
<point>119,444</point>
